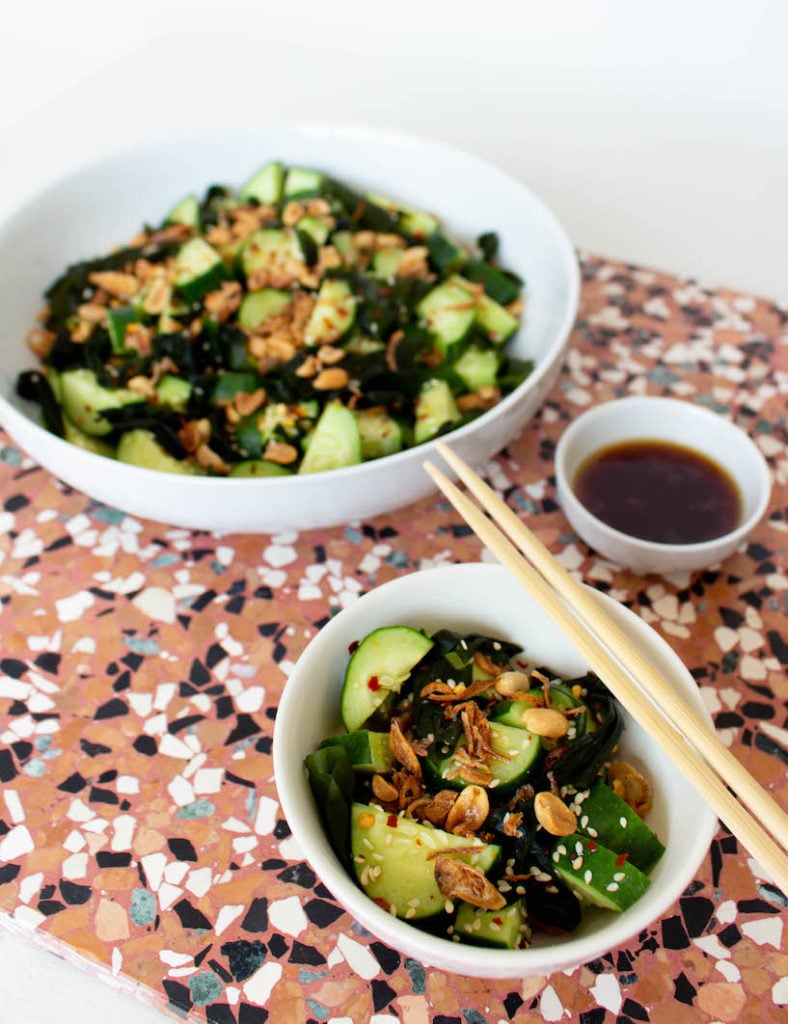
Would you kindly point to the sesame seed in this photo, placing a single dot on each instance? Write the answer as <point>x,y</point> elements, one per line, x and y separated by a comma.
<point>561,849</point>
<point>588,876</point>
<point>409,913</point>
<point>496,646</point>
<point>415,902</point>
<point>367,843</point>
<point>520,890</point>
<point>577,863</point>
<point>592,832</point>
<point>612,887</point>
<point>493,926</point>
<point>448,906</point>
<point>578,848</point>
<point>619,876</point>
<point>454,938</point>
<point>494,783</point>
<point>556,856</point>
<point>584,821</point>
<point>623,821</point>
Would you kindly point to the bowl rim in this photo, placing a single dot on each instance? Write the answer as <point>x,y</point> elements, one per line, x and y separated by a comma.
<point>472,960</point>
<point>617,409</point>
<point>12,414</point>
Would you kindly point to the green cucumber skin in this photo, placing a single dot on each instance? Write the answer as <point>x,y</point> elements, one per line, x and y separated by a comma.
<point>394,860</point>
<point>509,773</point>
<point>501,929</point>
<point>601,815</point>
<point>335,441</point>
<point>596,874</point>
<point>386,656</point>
<point>367,751</point>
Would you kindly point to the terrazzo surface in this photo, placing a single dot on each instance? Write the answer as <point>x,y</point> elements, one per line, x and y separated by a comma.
<point>141,667</point>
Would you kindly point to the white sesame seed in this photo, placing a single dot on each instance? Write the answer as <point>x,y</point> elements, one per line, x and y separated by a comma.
<point>577,863</point>
<point>561,849</point>
<point>623,821</point>
<point>619,876</point>
<point>409,913</point>
<point>520,890</point>
<point>592,832</point>
<point>612,887</point>
<point>584,821</point>
<point>448,906</point>
<point>588,876</point>
<point>556,856</point>
<point>578,847</point>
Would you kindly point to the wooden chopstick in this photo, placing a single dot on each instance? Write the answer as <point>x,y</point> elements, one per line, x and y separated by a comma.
<point>609,667</point>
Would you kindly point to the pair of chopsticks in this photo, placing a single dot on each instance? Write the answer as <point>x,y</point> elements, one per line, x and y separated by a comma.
<point>667,718</point>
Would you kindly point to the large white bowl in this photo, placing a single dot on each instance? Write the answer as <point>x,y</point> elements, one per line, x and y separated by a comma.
<point>486,599</point>
<point>105,203</point>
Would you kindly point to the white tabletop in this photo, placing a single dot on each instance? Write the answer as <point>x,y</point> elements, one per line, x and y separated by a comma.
<point>658,136</point>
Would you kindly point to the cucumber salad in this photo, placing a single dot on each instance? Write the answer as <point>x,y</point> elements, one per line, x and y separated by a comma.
<point>477,796</point>
<point>293,325</point>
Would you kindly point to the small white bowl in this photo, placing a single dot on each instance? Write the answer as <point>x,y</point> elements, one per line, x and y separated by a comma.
<point>677,422</point>
<point>98,206</point>
<point>484,598</point>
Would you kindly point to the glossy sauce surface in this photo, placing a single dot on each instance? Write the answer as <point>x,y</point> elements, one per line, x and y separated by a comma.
<point>659,491</point>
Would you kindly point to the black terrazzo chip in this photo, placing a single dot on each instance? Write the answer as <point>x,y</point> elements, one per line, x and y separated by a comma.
<point>224,707</point>
<point>216,653</point>
<point>301,954</point>
<point>145,745</point>
<point>50,907</point>
<point>267,628</point>
<point>113,708</point>
<point>203,600</point>
<point>47,892</point>
<point>13,667</point>
<point>673,934</point>
<point>595,1016</point>
<point>17,501</point>
<point>252,1014</point>
<point>235,605</point>
<point>299,874</point>
<point>264,745</point>
<point>179,724</point>
<point>683,990</point>
<point>756,907</point>
<point>219,969</point>
<point>75,895</point>
<point>8,872</point>
<point>178,994</point>
<point>219,1013</point>
<point>729,936</point>
<point>49,661</point>
<point>202,954</point>
<point>322,913</point>
<point>697,912</point>
<point>108,859</point>
<point>182,849</point>
<point>634,1010</point>
<point>244,957</point>
<point>22,748</point>
<point>102,796</point>
<point>199,674</point>
<point>190,917</point>
<point>132,660</point>
<point>277,946</point>
<point>382,994</point>
<point>123,682</point>
<point>245,726</point>
<point>8,769</point>
<point>256,919</point>
<point>389,959</point>
<point>512,1003</point>
<point>229,777</point>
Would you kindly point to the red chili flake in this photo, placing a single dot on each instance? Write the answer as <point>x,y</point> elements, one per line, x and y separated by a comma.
<point>352,646</point>
<point>392,821</point>
<point>621,859</point>
<point>591,845</point>
<point>498,921</point>
<point>384,904</point>
<point>373,683</point>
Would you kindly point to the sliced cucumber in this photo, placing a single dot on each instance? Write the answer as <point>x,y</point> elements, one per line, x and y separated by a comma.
<point>379,666</point>
<point>265,185</point>
<point>394,860</point>
<point>385,262</point>
<point>417,224</point>
<point>444,253</point>
<point>270,247</point>
<point>367,751</point>
<point>478,367</point>
<point>198,269</point>
<point>596,874</point>
<point>227,385</point>
<point>518,749</point>
<point>280,419</point>
<point>435,409</point>
<point>259,467</point>
<point>84,399</point>
<point>335,441</point>
<point>333,314</point>
<point>187,211</point>
<point>173,391</point>
<point>317,229</point>
<point>117,321</point>
<point>503,929</point>
<point>344,243</point>
<point>257,307</point>
<point>301,181</point>
<point>501,286</point>
<point>140,448</point>
<point>85,441</point>
<point>448,312</point>
<point>496,322</point>
<point>604,816</point>
<point>380,433</point>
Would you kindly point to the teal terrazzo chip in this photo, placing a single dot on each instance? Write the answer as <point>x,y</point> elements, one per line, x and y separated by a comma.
<point>142,909</point>
<point>398,559</point>
<point>42,743</point>
<point>199,809</point>
<point>319,1011</point>
<point>418,977</point>
<point>473,1016</point>
<point>141,645</point>
<point>35,768</point>
<point>205,988</point>
<point>110,516</point>
<point>662,376</point>
<point>353,535</point>
<point>162,561</point>
<point>10,456</point>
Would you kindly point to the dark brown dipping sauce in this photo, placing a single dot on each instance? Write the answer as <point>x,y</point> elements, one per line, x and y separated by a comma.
<point>659,491</point>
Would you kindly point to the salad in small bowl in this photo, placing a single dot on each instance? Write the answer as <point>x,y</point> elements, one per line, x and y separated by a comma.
<point>469,792</point>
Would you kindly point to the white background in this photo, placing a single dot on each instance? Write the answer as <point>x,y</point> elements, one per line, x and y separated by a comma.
<point>657,132</point>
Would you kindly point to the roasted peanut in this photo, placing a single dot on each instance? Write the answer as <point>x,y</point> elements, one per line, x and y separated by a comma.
<point>553,814</point>
<point>545,722</point>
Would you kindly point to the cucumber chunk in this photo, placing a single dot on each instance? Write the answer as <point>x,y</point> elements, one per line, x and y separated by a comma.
<point>496,322</point>
<point>257,307</point>
<point>335,441</point>
<point>117,322</point>
<point>367,751</point>
<point>502,929</point>
<point>301,181</point>
<point>500,285</point>
<point>385,262</point>
<point>379,666</point>
<point>380,433</point>
<point>449,313</point>
<point>187,212</point>
<point>85,441</point>
<point>198,269</point>
<point>518,748</point>
<point>229,384</point>
<point>417,224</point>
<point>84,399</point>
<point>265,185</point>
<point>609,819</point>
<point>317,229</point>
<point>596,874</point>
<point>140,448</point>
<point>270,247</point>
<point>394,860</point>
<point>333,314</point>
<point>444,253</point>
<point>435,409</point>
<point>173,391</point>
<point>478,367</point>
<point>260,468</point>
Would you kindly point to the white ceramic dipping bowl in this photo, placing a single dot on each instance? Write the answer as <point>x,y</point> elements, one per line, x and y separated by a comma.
<point>678,422</point>
<point>102,205</point>
<point>486,599</point>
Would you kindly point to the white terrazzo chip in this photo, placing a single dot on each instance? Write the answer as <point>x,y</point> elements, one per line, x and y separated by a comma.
<point>288,916</point>
<point>226,916</point>
<point>258,988</point>
<point>358,957</point>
